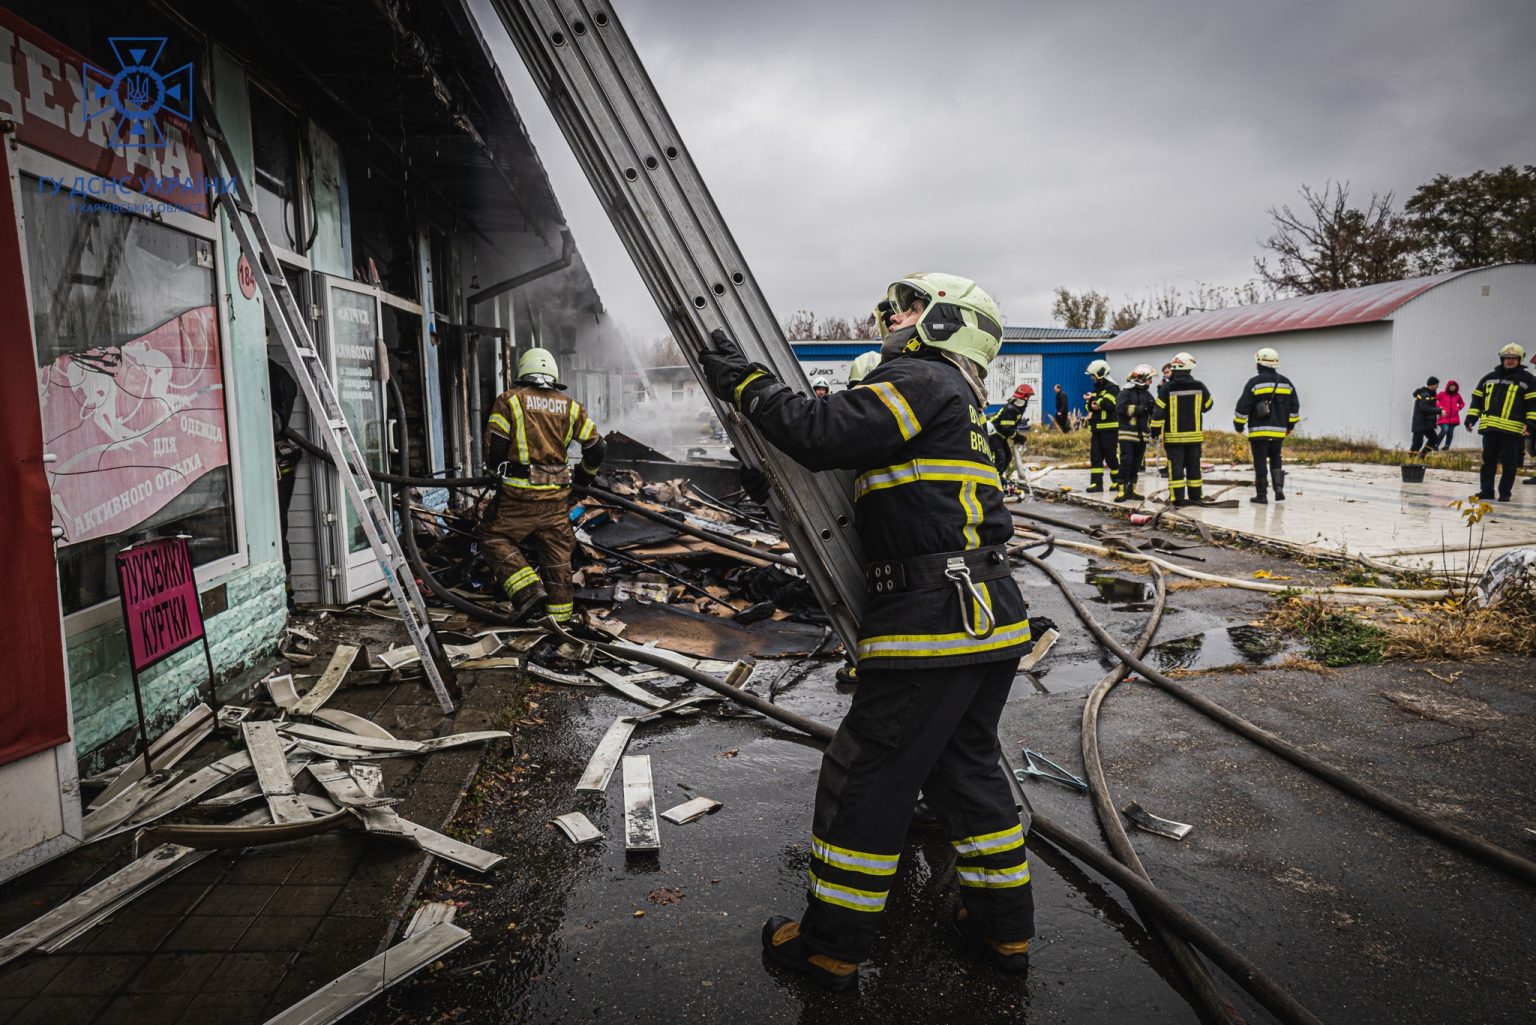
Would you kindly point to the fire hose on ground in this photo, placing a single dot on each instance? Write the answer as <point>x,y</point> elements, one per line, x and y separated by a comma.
<point>1216,1004</point>
<point>1454,836</point>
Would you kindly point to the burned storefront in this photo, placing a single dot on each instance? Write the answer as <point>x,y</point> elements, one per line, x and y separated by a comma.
<point>411,218</point>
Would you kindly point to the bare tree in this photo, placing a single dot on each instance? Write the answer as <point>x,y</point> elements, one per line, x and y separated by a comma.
<point>1130,313</point>
<point>801,327</point>
<point>833,327</point>
<point>864,329</point>
<point>1089,309</point>
<point>1331,245</point>
<point>660,352</point>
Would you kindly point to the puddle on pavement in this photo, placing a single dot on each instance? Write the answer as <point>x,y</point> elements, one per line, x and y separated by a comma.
<point>1124,594</point>
<point>1237,645</point>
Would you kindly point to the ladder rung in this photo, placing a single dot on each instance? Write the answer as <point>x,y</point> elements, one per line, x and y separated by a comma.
<point>244,207</point>
<point>306,354</point>
<point>278,280</point>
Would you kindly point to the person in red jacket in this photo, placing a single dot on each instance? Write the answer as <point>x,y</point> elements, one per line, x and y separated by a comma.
<point>1451,404</point>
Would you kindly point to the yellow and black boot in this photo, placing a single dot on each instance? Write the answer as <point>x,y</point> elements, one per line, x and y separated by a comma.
<point>784,947</point>
<point>1009,958</point>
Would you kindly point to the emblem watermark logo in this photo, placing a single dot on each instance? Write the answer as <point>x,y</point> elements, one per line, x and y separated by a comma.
<point>136,94</point>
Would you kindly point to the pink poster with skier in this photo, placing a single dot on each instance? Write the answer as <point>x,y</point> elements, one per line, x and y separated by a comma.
<point>132,426</point>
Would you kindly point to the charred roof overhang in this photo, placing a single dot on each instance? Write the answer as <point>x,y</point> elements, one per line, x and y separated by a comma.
<point>407,86</point>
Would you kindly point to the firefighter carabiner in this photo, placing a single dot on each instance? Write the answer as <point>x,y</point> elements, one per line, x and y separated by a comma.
<point>958,572</point>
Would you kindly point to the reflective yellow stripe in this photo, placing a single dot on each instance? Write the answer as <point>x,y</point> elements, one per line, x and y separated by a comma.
<point>973,514</point>
<point>906,420</point>
<point>1267,432</point>
<point>961,470</point>
<point>1282,389</point>
<point>523,578</point>
<point>570,421</point>
<point>522,431</point>
<point>961,643</point>
<point>501,422</point>
<point>555,609</point>
<point>522,484</point>
<point>1264,389</point>
<point>588,430</point>
<point>854,861</point>
<point>993,878</point>
<point>754,375</point>
<point>1502,423</point>
<point>847,896</point>
<point>991,843</point>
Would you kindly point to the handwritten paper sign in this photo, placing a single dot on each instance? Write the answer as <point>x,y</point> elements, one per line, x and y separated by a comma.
<point>160,607</point>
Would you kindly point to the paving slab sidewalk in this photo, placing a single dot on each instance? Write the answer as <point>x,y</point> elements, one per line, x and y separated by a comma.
<point>244,934</point>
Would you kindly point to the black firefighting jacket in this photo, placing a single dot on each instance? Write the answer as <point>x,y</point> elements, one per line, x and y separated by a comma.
<point>1007,419</point>
<point>1504,400</point>
<point>1135,409</point>
<point>1273,388</point>
<point>1105,394</point>
<point>1182,403</point>
<point>916,436</point>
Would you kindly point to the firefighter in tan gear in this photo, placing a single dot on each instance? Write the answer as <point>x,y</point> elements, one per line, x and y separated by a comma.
<point>532,426</point>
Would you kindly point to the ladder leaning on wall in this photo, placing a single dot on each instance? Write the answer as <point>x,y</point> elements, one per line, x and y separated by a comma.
<point>309,370</point>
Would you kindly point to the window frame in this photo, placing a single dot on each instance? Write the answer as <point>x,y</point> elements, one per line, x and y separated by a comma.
<point>35,163</point>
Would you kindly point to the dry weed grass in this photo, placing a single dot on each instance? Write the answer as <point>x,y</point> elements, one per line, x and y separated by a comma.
<point>1450,631</point>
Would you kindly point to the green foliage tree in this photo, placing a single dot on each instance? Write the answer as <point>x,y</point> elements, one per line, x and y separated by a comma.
<point>1483,218</point>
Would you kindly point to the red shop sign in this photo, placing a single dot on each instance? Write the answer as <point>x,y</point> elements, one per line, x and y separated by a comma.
<point>160,605</point>
<point>42,90</point>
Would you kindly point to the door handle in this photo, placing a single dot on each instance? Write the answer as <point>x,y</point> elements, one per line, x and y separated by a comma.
<point>389,436</point>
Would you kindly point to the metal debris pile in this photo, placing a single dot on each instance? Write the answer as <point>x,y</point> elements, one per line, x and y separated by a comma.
<point>664,559</point>
<point>315,769</point>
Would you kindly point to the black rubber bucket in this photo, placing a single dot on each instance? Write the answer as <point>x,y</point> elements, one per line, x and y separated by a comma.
<point>1413,473</point>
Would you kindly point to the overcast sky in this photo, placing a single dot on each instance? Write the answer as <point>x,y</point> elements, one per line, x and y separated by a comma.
<point>1110,144</point>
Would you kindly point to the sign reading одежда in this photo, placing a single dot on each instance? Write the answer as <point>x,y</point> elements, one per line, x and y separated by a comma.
<point>160,606</point>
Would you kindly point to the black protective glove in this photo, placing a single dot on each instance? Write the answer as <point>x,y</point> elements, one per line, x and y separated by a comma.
<point>1469,422</point>
<point>726,366</point>
<point>1238,428</point>
<point>581,476</point>
<point>755,483</point>
<point>1155,433</point>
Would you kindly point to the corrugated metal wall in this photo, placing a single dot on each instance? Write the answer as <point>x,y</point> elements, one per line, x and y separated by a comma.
<point>1068,369</point>
<point>1341,376</point>
<point>1454,331</point>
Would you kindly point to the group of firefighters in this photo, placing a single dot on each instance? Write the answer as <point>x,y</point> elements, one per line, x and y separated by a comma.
<point>1124,421</point>
<point>945,624</point>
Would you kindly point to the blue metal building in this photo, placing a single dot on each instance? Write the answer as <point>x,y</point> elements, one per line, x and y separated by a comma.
<point>1039,356</point>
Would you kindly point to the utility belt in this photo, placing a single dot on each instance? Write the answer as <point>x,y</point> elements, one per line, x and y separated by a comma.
<point>960,570</point>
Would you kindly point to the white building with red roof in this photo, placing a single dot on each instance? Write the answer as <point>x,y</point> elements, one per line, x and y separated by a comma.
<point>1356,355</point>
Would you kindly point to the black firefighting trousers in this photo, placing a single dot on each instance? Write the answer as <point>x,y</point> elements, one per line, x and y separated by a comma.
<point>1502,451</point>
<point>1267,465</point>
<point>1131,455</point>
<point>1185,477</point>
<point>1101,453</point>
<point>910,730</point>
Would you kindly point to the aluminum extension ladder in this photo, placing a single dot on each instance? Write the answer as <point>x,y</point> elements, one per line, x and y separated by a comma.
<point>309,368</point>
<point>599,92</point>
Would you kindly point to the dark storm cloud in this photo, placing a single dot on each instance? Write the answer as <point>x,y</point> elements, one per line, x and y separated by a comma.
<point>1116,145</point>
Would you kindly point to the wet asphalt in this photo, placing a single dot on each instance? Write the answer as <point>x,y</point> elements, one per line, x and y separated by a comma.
<point>1361,919</point>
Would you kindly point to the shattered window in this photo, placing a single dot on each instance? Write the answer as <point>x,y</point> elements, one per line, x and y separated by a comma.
<point>131,387</point>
